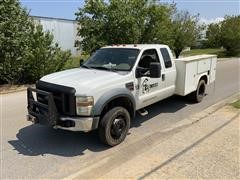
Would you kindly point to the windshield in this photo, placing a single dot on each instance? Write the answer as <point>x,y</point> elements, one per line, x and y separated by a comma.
<point>114,59</point>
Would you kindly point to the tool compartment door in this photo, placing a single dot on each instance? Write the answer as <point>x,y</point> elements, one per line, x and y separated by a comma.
<point>203,65</point>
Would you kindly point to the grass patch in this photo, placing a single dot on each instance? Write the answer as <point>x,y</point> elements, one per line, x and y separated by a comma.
<point>74,61</point>
<point>193,52</point>
<point>236,104</point>
<point>221,53</point>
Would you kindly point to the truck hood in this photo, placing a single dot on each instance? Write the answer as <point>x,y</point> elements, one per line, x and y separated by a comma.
<point>84,80</point>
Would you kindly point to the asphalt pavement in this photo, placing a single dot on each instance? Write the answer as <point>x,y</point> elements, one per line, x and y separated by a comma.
<point>34,151</point>
<point>204,149</point>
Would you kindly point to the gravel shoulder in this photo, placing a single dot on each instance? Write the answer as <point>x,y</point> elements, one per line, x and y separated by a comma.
<point>6,89</point>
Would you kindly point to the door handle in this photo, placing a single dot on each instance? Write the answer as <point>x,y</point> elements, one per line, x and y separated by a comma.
<point>163,77</point>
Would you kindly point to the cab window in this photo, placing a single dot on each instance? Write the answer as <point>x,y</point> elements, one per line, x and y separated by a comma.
<point>148,56</point>
<point>166,57</point>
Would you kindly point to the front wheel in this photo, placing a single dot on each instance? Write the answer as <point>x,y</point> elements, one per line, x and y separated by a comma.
<point>198,95</point>
<point>114,126</point>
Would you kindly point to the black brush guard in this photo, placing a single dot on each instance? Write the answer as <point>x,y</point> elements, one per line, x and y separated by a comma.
<point>45,114</point>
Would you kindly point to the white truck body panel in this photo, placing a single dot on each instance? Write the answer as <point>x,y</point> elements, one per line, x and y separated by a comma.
<point>166,87</point>
<point>191,69</point>
<point>89,81</point>
<point>99,88</point>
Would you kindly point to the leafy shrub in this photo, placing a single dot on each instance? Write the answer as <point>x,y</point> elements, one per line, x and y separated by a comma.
<point>26,52</point>
<point>74,61</point>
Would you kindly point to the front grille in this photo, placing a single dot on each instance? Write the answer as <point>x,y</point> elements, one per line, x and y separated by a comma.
<point>64,97</point>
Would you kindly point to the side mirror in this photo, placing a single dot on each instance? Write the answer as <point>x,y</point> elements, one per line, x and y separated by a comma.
<point>155,70</point>
<point>81,62</point>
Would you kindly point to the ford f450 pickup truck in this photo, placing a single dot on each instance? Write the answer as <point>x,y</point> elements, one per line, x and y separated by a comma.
<point>116,81</point>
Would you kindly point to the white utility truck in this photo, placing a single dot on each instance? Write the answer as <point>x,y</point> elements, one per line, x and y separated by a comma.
<point>116,81</point>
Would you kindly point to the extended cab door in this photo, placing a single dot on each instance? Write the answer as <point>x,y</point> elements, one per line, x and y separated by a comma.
<point>149,90</point>
<point>170,72</point>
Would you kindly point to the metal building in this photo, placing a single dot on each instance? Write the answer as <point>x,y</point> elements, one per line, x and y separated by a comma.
<point>63,30</point>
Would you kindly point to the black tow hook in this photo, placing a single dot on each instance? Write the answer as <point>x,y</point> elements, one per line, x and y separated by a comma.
<point>67,123</point>
<point>32,119</point>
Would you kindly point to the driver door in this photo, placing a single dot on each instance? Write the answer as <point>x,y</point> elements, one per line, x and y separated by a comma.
<point>148,89</point>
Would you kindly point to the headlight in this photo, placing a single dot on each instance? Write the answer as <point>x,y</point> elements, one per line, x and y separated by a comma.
<point>84,105</point>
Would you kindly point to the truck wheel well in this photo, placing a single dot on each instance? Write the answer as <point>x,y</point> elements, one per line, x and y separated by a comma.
<point>204,78</point>
<point>119,101</point>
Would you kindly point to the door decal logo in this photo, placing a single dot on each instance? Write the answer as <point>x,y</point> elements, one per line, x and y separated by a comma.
<point>146,86</point>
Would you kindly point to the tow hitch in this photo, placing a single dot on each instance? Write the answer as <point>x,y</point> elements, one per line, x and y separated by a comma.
<point>32,119</point>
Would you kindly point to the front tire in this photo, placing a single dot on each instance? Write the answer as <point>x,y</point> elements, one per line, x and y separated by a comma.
<point>114,126</point>
<point>198,95</point>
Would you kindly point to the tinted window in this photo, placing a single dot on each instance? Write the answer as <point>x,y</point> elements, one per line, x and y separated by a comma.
<point>148,56</point>
<point>166,57</point>
<point>120,59</point>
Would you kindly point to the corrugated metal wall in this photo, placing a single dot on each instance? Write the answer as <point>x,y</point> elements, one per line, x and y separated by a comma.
<point>63,30</point>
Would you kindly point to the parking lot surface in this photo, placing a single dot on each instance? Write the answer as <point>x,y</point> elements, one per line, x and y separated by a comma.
<point>34,151</point>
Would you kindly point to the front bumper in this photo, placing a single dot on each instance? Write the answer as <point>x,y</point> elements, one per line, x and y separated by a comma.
<point>84,124</point>
<point>47,114</point>
<point>80,123</point>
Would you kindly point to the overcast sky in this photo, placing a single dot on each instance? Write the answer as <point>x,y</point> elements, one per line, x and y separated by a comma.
<point>209,10</point>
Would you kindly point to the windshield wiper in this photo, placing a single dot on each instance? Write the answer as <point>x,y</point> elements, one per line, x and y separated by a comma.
<point>105,68</point>
<point>85,66</point>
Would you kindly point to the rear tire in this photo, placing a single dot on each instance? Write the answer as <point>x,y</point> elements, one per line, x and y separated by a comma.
<point>198,95</point>
<point>114,126</point>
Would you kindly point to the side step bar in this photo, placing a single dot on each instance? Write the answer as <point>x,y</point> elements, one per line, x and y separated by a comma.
<point>143,112</point>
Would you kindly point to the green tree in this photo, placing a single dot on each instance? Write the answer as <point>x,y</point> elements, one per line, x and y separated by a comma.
<point>123,22</point>
<point>158,24</point>
<point>230,34</point>
<point>92,19</point>
<point>26,52</point>
<point>186,31</point>
<point>43,56</point>
<point>213,35</point>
